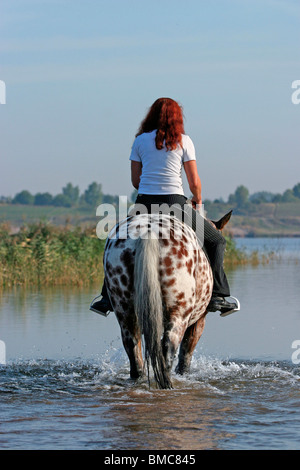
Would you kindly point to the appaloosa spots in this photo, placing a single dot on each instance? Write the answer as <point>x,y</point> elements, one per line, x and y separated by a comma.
<point>185,278</point>
<point>180,258</point>
<point>167,261</point>
<point>189,265</point>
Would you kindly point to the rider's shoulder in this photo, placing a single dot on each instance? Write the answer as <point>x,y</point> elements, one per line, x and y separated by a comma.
<point>186,138</point>
<point>146,135</point>
<point>187,142</point>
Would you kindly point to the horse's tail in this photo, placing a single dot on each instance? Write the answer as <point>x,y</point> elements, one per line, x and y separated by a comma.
<point>149,307</point>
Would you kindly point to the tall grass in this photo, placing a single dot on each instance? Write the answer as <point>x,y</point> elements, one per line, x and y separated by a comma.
<point>235,257</point>
<point>43,254</point>
<point>47,255</point>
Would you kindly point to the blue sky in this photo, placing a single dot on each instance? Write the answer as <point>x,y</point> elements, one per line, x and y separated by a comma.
<point>81,74</point>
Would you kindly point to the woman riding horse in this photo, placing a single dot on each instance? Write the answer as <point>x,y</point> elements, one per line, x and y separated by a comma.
<point>159,151</point>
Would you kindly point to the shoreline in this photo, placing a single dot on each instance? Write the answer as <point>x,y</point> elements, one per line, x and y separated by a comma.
<point>265,235</point>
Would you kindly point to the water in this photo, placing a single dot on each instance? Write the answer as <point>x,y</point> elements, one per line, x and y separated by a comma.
<point>66,381</point>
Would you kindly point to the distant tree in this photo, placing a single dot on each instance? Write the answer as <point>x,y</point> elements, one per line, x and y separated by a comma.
<point>240,197</point>
<point>109,199</point>
<point>296,190</point>
<point>24,197</point>
<point>93,194</point>
<point>232,199</point>
<point>207,203</point>
<point>72,193</point>
<point>220,200</point>
<point>288,196</point>
<point>61,201</point>
<point>43,199</point>
<point>277,198</point>
<point>262,196</point>
<point>5,200</point>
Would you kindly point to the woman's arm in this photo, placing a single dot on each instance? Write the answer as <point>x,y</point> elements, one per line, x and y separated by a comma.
<point>136,171</point>
<point>194,181</point>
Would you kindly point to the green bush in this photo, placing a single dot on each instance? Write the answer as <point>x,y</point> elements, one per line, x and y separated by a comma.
<point>49,255</point>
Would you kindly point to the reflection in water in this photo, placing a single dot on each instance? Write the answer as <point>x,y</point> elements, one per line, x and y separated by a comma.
<point>269,319</point>
<point>53,323</point>
<point>182,419</point>
<point>43,300</point>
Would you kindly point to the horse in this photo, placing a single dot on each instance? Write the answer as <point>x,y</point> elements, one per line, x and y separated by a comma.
<point>159,282</point>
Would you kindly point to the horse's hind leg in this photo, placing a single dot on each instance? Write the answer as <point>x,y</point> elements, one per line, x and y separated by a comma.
<point>170,342</point>
<point>188,345</point>
<point>133,347</point>
<point>134,353</point>
<point>169,350</point>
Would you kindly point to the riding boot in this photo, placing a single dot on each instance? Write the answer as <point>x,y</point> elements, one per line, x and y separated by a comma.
<point>103,306</point>
<point>214,248</point>
<point>225,307</point>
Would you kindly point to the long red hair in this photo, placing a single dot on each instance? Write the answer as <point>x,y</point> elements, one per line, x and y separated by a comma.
<point>166,116</point>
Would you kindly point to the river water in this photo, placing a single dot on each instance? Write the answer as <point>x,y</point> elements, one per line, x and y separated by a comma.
<point>64,380</point>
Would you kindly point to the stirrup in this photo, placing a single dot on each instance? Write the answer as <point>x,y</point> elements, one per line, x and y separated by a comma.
<point>224,314</point>
<point>104,314</point>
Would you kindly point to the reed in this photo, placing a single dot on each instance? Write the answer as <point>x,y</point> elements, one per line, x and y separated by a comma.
<point>47,255</point>
<point>43,254</point>
<point>235,257</point>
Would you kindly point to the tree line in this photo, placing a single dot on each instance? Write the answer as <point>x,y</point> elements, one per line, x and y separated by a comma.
<point>241,197</point>
<point>93,196</point>
<point>69,197</point>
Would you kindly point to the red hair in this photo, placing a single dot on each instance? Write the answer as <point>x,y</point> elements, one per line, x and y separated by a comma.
<point>165,116</point>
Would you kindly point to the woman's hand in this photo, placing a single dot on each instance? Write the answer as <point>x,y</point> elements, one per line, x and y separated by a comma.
<point>196,203</point>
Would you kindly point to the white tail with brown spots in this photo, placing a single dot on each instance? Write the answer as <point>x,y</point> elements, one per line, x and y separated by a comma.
<point>148,305</point>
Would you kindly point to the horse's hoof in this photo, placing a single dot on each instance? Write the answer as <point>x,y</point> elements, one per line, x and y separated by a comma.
<point>181,370</point>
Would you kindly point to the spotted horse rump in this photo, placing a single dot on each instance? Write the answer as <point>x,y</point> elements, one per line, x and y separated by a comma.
<point>160,283</point>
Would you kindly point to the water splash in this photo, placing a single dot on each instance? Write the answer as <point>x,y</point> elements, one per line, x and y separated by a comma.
<point>93,404</point>
<point>110,372</point>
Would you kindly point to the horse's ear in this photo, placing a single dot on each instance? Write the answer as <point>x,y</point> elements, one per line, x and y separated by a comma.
<point>220,224</point>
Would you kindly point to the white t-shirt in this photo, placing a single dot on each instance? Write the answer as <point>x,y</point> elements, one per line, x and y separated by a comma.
<point>161,169</point>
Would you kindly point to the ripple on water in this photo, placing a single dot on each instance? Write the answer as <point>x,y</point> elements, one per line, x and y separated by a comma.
<point>235,404</point>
